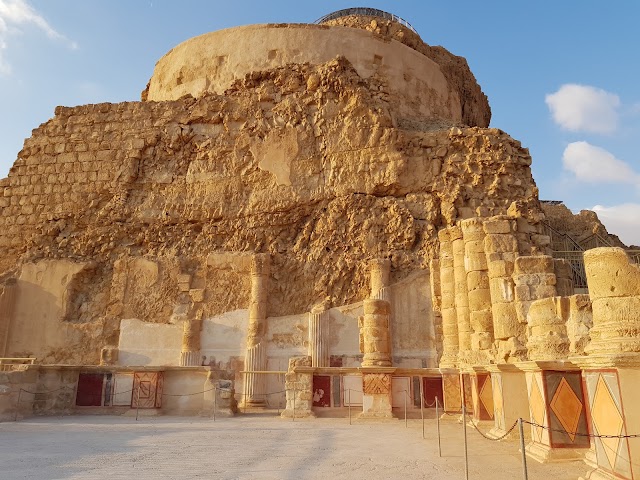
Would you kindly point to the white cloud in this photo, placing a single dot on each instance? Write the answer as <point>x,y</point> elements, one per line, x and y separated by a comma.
<point>594,164</point>
<point>582,108</point>
<point>622,220</point>
<point>17,13</point>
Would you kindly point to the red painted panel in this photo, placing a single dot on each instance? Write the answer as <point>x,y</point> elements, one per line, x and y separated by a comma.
<point>321,391</point>
<point>89,390</point>
<point>432,388</point>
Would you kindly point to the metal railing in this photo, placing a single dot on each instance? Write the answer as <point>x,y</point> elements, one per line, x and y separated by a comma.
<point>371,12</point>
<point>8,364</point>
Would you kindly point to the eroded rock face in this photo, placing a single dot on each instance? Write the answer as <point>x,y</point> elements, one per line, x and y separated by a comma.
<point>304,163</point>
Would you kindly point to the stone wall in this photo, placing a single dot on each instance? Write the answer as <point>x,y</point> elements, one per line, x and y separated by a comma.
<point>313,173</point>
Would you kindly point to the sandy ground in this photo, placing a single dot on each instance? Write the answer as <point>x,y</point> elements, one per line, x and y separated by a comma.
<point>254,447</point>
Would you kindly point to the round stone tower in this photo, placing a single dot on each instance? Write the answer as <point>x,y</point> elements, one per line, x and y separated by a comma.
<point>420,82</point>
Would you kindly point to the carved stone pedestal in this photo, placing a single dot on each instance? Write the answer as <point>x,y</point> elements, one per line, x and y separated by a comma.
<point>376,393</point>
<point>451,393</point>
<point>557,408</point>
<point>613,389</point>
<point>299,388</point>
<point>510,400</point>
<point>482,395</point>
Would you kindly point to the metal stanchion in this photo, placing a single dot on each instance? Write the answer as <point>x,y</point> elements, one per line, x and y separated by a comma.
<point>405,409</point>
<point>137,401</point>
<point>524,453</point>
<point>422,406</point>
<point>464,429</point>
<point>438,423</point>
<point>349,406</point>
<point>215,397</point>
<point>244,394</point>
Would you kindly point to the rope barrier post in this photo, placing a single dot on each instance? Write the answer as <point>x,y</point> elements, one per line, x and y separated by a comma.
<point>464,429</point>
<point>422,406</point>
<point>215,402</point>
<point>524,453</point>
<point>15,418</point>
<point>438,423</point>
<point>405,409</point>
<point>349,395</point>
<point>137,401</point>
<point>244,393</point>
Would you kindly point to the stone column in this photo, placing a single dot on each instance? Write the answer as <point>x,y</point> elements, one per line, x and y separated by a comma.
<point>534,278</point>
<point>501,247</point>
<point>299,388</point>
<point>379,270</point>
<point>256,356</point>
<point>547,329</point>
<point>461,293</point>
<point>579,323</point>
<point>614,288</point>
<point>450,340</point>
<point>374,334</point>
<point>478,287</point>
<point>7,304</point>
<point>436,298</point>
<point>612,366</point>
<point>318,341</point>
<point>190,355</point>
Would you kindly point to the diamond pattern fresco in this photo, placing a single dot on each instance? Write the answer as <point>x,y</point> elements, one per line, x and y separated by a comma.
<point>538,409</point>
<point>567,414</point>
<point>567,407</point>
<point>607,418</point>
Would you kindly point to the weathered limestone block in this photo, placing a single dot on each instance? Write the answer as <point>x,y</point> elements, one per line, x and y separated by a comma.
<point>579,323</point>
<point>299,389</point>
<point>534,279</point>
<point>375,334</point>
<point>564,277</point>
<point>218,394</point>
<point>614,288</point>
<point>547,329</point>
<point>461,291</point>
<point>109,356</point>
<point>478,284</point>
<point>450,339</point>
<point>501,248</point>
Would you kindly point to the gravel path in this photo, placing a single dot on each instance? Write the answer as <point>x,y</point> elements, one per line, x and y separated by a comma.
<point>254,447</point>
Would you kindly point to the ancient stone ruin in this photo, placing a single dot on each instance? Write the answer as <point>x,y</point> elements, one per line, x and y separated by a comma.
<point>322,209</point>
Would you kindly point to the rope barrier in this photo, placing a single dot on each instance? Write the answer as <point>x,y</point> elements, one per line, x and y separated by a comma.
<point>47,391</point>
<point>580,434</point>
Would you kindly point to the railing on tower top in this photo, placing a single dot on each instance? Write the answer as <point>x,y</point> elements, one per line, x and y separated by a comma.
<point>371,12</point>
<point>564,246</point>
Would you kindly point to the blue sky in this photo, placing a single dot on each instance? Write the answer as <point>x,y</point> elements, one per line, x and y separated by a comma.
<point>561,76</point>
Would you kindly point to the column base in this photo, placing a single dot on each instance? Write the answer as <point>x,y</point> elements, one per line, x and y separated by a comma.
<point>190,359</point>
<point>496,432</point>
<point>289,413</point>
<point>598,474</point>
<point>545,454</point>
